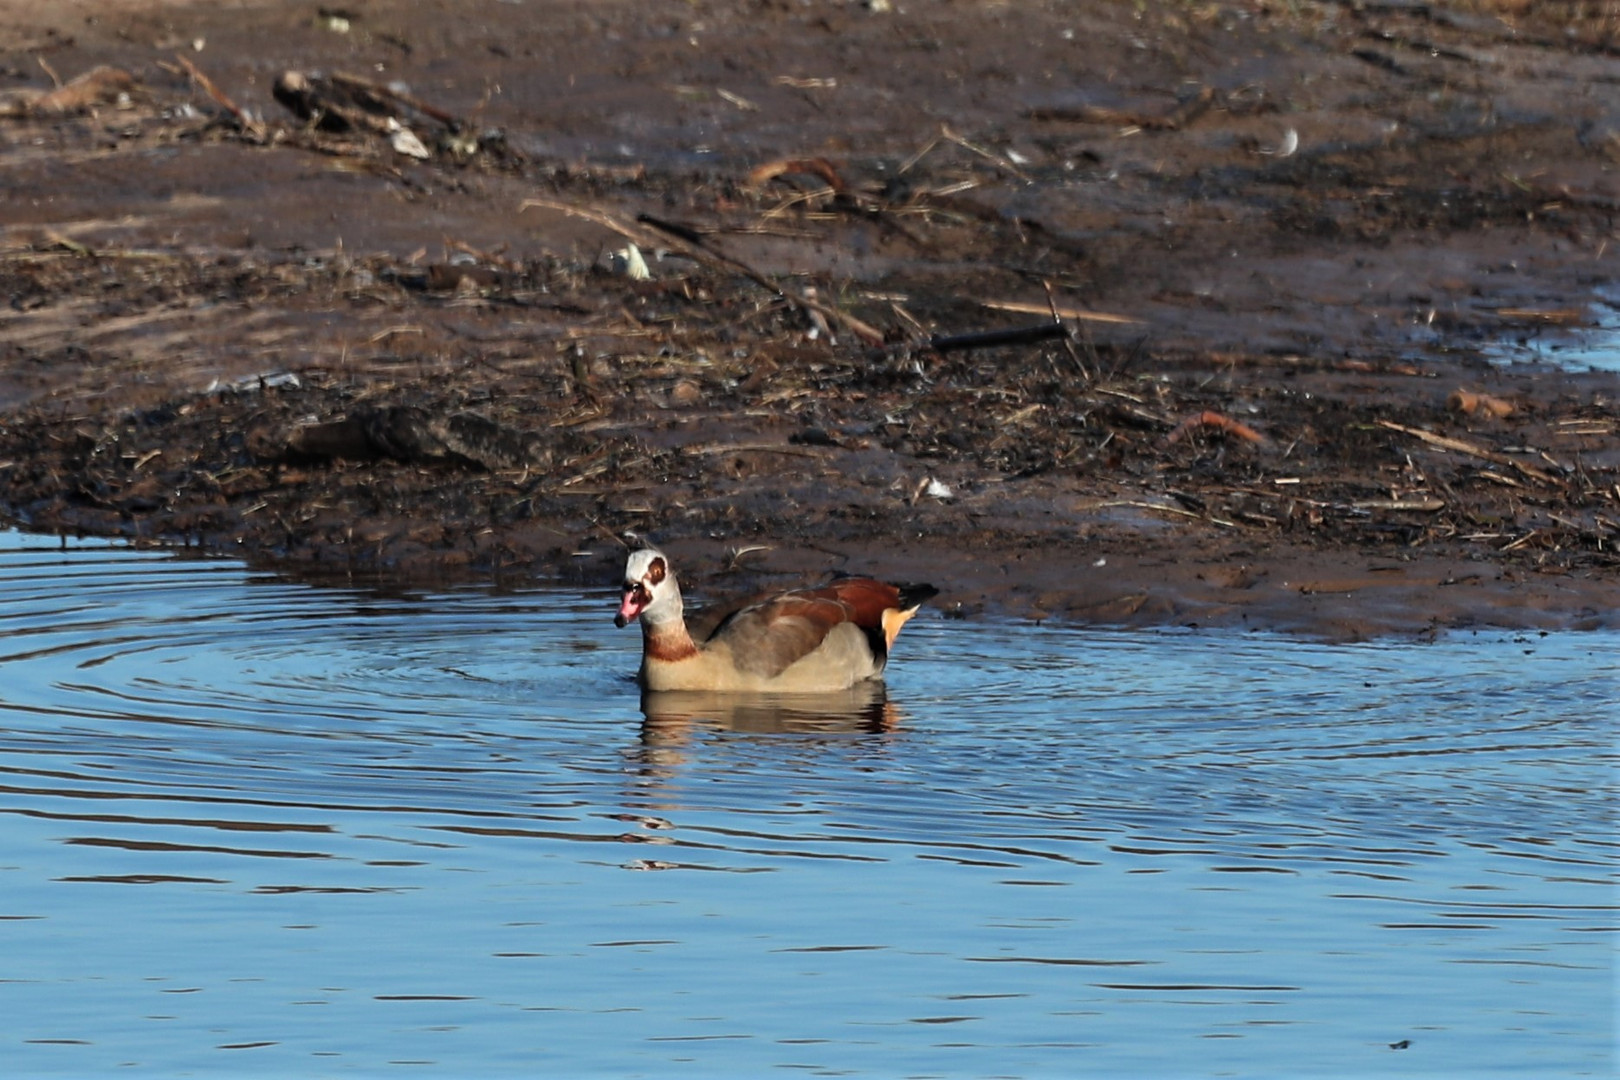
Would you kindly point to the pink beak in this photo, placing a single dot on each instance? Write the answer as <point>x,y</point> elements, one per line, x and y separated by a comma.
<point>628,609</point>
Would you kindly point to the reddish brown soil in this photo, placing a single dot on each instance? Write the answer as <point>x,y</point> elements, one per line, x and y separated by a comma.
<point>250,333</point>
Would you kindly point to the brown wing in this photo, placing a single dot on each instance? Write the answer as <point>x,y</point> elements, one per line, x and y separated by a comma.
<point>878,608</point>
<point>706,622</point>
<point>864,598</point>
<point>769,637</point>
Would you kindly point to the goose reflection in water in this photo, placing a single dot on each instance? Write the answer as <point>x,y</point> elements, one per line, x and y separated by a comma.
<point>672,718</point>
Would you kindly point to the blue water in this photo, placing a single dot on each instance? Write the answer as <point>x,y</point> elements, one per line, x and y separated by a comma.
<point>258,828</point>
<point>1593,346</point>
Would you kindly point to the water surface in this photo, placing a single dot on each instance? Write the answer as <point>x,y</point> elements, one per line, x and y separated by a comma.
<point>253,827</point>
<point>1593,346</point>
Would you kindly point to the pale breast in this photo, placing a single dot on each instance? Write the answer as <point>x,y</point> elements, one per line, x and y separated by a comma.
<point>842,660</point>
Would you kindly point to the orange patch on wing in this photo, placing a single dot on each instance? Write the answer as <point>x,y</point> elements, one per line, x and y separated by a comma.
<point>893,620</point>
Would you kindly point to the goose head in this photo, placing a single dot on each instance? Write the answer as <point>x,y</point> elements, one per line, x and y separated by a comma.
<point>649,590</point>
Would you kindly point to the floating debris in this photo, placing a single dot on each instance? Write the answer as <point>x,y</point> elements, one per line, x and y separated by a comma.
<point>629,262</point>
<point>404,141</point>
<point>1286,148</point>
<point>1469,404</point>
<point>247,384</point>
<point>98,86</point>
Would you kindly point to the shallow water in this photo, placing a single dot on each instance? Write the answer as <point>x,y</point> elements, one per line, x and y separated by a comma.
<point>261,828</point>
<point>1592,347</point>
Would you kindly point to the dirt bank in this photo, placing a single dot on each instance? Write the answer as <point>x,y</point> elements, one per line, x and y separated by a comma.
<point>1251,260</point>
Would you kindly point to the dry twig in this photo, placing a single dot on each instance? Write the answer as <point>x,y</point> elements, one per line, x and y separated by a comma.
<point>1445,442</point>
<point>243,119</point>
<point>1210,419</point>
<point>1061,311</point>
<point>1177,118</point>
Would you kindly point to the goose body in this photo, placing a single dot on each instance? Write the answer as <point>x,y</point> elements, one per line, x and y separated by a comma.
<point>805,641</point>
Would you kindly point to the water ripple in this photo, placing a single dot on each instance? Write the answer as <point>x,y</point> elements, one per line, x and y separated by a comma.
<point>455,806</point>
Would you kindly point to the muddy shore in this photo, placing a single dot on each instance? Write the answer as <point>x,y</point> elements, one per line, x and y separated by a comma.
<point>1259,271</point>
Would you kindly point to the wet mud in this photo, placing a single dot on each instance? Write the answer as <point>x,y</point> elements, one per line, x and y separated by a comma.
<point>1148,313</point>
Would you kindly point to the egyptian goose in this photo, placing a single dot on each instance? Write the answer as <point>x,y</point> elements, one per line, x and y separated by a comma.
<point>806,641</point>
